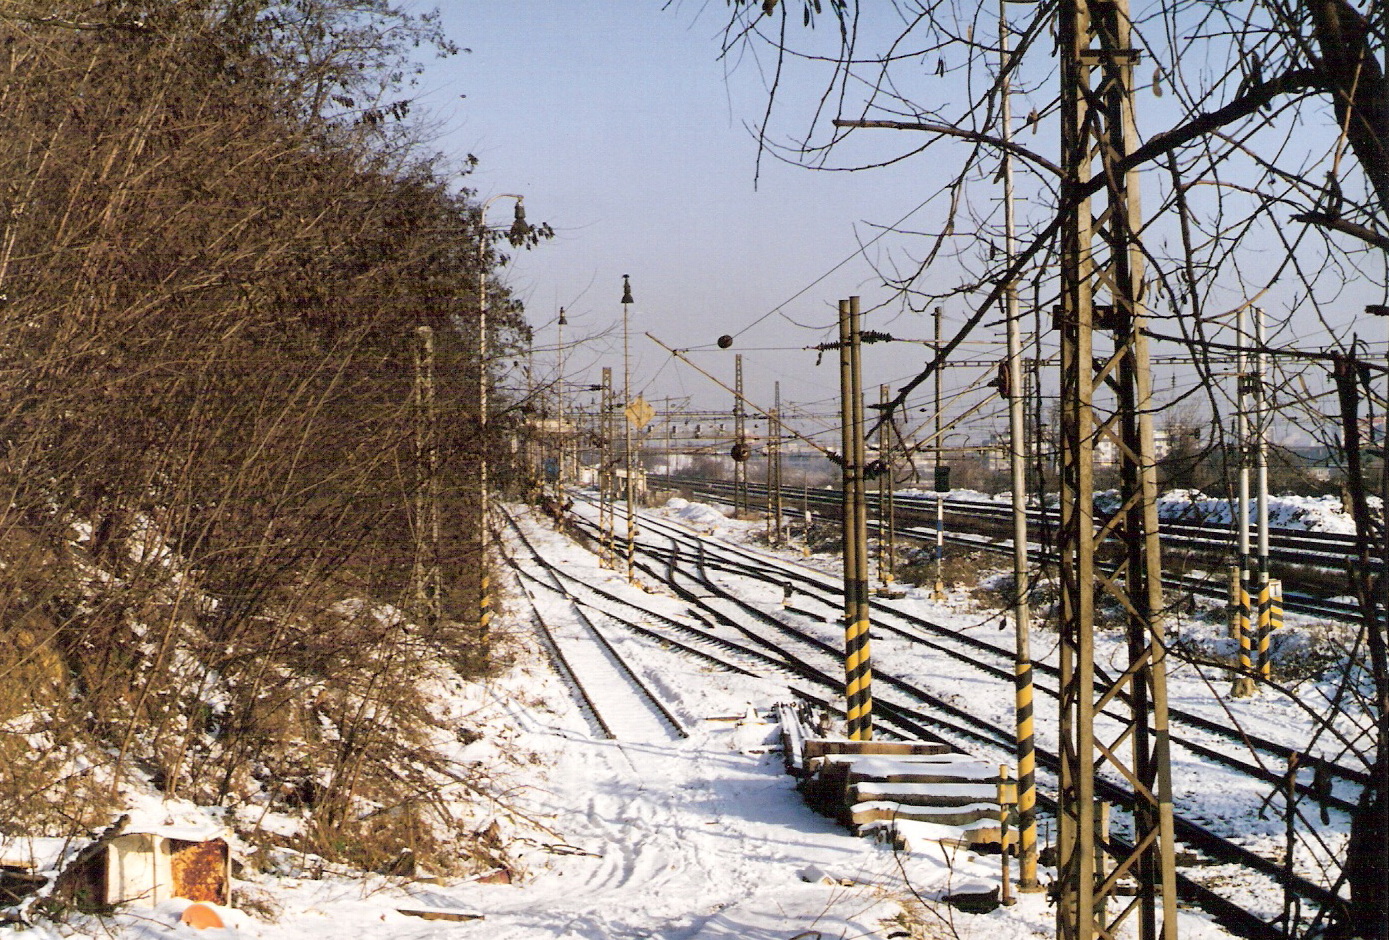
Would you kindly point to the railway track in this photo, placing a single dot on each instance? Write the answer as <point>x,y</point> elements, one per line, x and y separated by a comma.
<point>820,598</point>
<point>1294,549</point>
<point>1294,546</point>
<point>614,694</point>
<point>802,641</point>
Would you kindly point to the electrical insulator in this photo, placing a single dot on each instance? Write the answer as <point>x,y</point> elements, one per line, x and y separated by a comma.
<point>1005,379</point>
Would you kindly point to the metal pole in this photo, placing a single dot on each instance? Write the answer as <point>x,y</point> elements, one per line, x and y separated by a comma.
<point>740,441</point>
<point>605,470</point>
<point>857,663</point>
<point>1107,394</point>
<point>775,425</point>
<point>1017,453</point>
<point>1243,684</point>
<point>846,505</point>
<point>1007,796</point>
<point>769,473</point>
<point>886,561</point>
<point>1261,416</point>
<point>889,476</point>
<point>630,490</point>
<point>938,589</point>
<point>484,619</point>
<point>861,598</point>
<point>559,410</point>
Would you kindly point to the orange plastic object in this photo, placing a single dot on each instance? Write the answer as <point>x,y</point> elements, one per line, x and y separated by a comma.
<point>201,916</point>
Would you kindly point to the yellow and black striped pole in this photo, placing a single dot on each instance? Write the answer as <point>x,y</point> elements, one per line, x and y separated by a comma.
<point>1027,776</point>
<point>858,671</point>
<point>1242,614</point>
<point>1270,619</point>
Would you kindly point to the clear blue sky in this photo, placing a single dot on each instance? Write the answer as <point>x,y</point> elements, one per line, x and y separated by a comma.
<point>621,127</point>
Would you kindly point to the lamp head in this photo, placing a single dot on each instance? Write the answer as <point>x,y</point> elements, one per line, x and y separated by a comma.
<point>626,290</point>
<point>520,228</point>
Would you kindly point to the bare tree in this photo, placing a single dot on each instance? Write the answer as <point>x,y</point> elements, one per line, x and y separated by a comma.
<point>1266,182</point>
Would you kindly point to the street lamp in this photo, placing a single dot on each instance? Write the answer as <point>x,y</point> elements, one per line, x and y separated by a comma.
<point>518,232</point>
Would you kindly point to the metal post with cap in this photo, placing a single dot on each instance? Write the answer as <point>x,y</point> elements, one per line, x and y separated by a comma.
<point>630,490</point>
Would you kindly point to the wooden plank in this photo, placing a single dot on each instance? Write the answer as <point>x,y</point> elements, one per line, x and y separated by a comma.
<point>927,794</point>
<point>896,770</point>
<point>439,914</point>
<point>820,747</point>
<point>871,811</point>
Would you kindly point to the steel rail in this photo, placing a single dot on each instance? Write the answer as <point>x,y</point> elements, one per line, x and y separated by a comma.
<point>756,566</point>
<point>1192,833</point>
<point>900,720</point>
<point>1293,546</point>
<point>653,701</point>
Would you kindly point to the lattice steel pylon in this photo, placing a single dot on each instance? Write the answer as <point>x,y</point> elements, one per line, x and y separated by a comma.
<point>1113,727</point>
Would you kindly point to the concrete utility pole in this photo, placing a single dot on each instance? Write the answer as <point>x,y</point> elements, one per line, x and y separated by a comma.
<point>606,496</point>
<point>1017,465</point>
<point>518,229</point>
<point>940,483</point>
<point>774,462</point>
<point>630,488</point>
<point>858,670</point>
<point>1243,684</point>
<point>561,432</point>
<point>740,440</point>
<point>1106,394</point>
<point>426,577</point>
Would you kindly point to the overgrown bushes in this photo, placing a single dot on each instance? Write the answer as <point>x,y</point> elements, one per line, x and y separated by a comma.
<point>216,249</point>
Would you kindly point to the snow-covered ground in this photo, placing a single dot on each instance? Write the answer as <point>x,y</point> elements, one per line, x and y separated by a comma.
<point>703,837</point>
<point>1287,712</point>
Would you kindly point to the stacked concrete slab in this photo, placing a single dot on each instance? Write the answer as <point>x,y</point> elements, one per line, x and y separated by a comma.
<point>904,791</point>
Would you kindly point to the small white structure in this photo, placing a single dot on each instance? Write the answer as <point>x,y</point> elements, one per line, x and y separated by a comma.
<point>169,861</point>
<point>149,866</point>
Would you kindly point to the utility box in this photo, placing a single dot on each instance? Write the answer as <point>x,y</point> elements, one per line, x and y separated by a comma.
<point>151,866</point>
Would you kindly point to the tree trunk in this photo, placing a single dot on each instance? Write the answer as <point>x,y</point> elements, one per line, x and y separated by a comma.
<point>1367,854</point>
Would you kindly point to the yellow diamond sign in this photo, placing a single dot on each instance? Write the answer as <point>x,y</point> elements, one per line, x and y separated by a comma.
<point>639,413</point>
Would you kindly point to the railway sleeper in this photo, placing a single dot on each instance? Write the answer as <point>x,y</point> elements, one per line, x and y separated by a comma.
<point>898,791</point>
